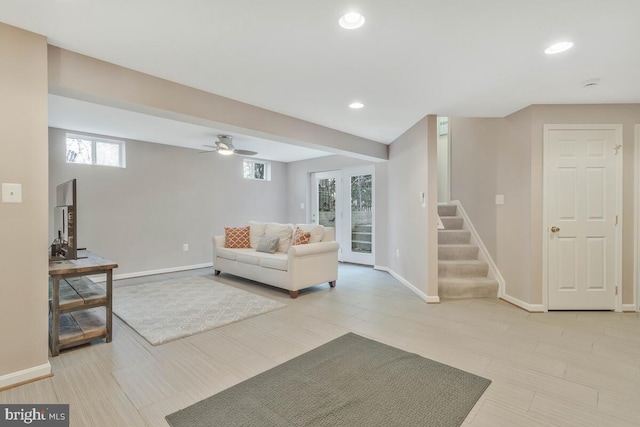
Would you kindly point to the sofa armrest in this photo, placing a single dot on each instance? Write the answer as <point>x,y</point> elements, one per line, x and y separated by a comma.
<point>218,241</point>
<point>313,249</point>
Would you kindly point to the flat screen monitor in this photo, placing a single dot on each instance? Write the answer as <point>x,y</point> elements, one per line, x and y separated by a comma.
<point>65,221</point>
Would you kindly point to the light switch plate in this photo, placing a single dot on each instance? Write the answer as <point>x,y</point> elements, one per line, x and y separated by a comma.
<point>500,199</point>
<point>11,193</point>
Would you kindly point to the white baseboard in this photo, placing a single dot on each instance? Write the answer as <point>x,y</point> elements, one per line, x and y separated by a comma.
<point>629,308</point>
<point>422,295</point>
<point>531,308</point>
<point>101,277</point>
<point>25,375</point>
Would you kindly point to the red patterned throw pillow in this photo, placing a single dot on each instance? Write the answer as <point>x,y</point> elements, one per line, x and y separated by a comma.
<point>236,237</point>
<point>300,237</point>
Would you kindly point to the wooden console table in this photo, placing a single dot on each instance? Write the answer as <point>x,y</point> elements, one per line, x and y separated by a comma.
<point>74,301</point>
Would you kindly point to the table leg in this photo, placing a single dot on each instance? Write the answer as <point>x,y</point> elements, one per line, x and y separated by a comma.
<point>109,307</point>
<point>55,317</point>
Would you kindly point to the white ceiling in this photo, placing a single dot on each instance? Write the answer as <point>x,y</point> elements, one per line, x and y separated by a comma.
<point>72,114</point>
<point>411,58</point>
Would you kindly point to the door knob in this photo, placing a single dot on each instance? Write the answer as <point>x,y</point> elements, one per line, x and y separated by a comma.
<point>554,229</point>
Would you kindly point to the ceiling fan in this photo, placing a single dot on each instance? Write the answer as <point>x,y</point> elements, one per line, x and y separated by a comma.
<point>224,146</point>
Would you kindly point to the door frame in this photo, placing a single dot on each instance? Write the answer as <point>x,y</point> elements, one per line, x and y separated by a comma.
<point>329,174</point>
<point>636,222</point>
<point>545,205</point>
<point>348,255</point>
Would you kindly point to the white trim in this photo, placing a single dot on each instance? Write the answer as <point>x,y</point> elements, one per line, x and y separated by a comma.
<point>617,128</point>
<point>25,375</point>
<point>531,308</point>
<point>636,226</point>
<point>629,308</point>
<point>101,277</point>
<point>422,295</point>
<point>494,273</point>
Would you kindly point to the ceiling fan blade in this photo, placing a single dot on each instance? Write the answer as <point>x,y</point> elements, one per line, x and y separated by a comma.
<point>245,152</point>
<point>210,146</point>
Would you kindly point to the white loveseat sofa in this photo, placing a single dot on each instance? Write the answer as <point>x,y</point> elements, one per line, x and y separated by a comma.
<point>291,267</point>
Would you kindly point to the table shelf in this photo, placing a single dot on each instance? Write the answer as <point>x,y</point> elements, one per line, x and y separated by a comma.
<point>80,310</point>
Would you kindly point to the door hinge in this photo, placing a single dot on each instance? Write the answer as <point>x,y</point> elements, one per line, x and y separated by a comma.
<point>616,223</point>
<point>616,290</point>
<point>617,148</point>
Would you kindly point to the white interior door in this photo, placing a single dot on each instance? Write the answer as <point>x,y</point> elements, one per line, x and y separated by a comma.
<point>581,185</point>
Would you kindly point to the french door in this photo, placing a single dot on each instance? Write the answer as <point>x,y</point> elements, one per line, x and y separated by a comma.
<point>344,199</point>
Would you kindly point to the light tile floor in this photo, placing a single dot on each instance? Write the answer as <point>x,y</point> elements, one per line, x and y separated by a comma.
<point>548,369</point>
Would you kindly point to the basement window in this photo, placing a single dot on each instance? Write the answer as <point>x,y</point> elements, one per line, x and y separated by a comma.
<point>89,150</point>
<point>259,170</point>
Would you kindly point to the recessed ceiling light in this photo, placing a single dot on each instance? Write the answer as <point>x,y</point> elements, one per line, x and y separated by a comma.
<point>558,47</point>
<point>351,20</point>
<point>356,105</point>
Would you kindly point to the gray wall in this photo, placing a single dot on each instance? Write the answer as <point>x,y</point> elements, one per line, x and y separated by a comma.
<point>23,231</point>
<point>512,146</point>
<point>141,215</point>
<point>299,191</point>
<point>412,169</point>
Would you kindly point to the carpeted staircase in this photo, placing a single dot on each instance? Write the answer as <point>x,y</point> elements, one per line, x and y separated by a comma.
<point>460,273</point>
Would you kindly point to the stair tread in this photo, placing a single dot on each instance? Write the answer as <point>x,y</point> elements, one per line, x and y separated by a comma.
<point>458,245</point>
<point>461,261</point>
<point>468,279</point>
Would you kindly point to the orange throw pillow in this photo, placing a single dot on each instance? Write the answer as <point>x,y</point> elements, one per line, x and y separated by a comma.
<point>236,237</point>
<point>300,237</point>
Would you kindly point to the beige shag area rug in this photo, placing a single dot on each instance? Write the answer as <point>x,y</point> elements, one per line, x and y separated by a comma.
<point>172,309</point>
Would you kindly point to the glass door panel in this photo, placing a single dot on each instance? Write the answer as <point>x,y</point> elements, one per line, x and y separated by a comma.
<point>359,196</point>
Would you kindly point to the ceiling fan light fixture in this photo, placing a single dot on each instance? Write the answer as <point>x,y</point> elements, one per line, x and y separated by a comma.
<point>558,47</point>
<point>351,20</point>
<point>356,105</point>
<point>225,151</point>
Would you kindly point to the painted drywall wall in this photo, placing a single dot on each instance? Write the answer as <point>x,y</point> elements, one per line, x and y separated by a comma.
<point>412,170</point>
<point>628,115</point>
<point>23,231</point>
<point>517,144</point>
<point>89,79</point>
<point>140,216</point>
<point>444,167</point>
<point>474,161</point>
<point>299,190</point>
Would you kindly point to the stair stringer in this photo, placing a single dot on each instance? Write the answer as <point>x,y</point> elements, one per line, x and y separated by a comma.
<point>483,253</point>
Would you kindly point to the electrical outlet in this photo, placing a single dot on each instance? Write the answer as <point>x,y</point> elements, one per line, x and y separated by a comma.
<point>397,253</point>
<point>185,247</point>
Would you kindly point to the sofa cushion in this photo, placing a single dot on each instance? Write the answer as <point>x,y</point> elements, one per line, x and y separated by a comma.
<point>277,261</point>
<point>249,257</point>
<point>229,254</point>
<point>300,237</point>
<point>236,237</point>
<point>256,231</point>
<point>268,245</point>
<point>317,231</point>
<point>282,231</point>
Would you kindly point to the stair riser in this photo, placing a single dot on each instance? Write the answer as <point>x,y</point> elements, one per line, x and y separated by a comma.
<point>463,270</point>
<point>452,223</point>
<point>455,290</point>
<point>447,210</point>
<point>453,237</point>
<point>457,253</point>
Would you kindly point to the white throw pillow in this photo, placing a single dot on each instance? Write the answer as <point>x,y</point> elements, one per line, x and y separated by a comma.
<point>256,231</point>
<point>283,231</point>
<point>317,231</point>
